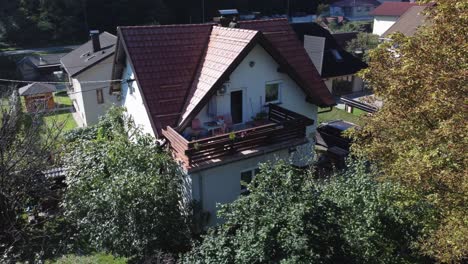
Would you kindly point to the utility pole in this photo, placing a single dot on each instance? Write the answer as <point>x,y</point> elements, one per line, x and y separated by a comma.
<point>85,14</point>
<point>203,10</point>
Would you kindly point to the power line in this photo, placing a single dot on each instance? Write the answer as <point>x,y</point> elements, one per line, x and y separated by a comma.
<point>46,82</point>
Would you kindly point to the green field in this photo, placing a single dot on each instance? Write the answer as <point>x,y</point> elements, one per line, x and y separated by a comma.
<point>62,99</point>
<point>338,114</point>
<point>60,120</point>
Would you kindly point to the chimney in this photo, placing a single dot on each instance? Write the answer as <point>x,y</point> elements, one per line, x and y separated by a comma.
<point>94,34</point>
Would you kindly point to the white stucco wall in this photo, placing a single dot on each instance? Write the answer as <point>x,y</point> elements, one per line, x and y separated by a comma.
<point>85,94</point>
<point>382,23</point>
<point>252,81</point>
<point>221,185</point>
<point>132,100</point>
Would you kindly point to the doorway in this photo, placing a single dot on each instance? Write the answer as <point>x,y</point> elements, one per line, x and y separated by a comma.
<point>236,107</point>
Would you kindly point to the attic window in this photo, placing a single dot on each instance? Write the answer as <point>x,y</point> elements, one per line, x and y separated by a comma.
<point>336,55</point>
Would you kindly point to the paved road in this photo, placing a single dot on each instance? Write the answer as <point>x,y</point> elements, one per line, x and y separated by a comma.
<point>49,49</point>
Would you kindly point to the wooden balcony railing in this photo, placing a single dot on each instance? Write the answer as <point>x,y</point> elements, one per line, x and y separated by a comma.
<point>285,125</point>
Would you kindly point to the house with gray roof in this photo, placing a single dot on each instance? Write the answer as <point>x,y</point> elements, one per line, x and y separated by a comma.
<point>39,67</point>
<point>89,67</point>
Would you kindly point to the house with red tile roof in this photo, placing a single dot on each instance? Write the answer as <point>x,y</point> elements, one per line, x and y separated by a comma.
<point>387,14</point>
<point>223,99</point>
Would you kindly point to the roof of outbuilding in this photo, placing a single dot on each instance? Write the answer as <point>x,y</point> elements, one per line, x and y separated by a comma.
<point>83,57</point>
<point>409,22</point>
<point>342,38</point>
<point>331,67</point>
<point>178,66</point>
<point>392,8</point>
<point>36,88</point>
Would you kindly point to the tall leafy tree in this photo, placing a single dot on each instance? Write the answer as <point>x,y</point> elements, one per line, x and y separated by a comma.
<point>289,217</point>
<point>124,191</point>
<point>419,136</point>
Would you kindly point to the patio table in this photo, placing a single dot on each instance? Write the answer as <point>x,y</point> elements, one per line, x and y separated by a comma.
<point>212,126</point>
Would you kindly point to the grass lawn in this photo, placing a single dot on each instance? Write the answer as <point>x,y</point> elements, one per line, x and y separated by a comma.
<point>63,99</point>
<point>59,119</point>
<point>337,114</point>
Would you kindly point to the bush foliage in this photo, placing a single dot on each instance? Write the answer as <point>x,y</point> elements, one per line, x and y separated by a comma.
<point>124,191</point>
<point>289,217</point>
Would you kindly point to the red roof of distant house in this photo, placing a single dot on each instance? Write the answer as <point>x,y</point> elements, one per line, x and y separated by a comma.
<point>392,8</point>
<point>178,66</point>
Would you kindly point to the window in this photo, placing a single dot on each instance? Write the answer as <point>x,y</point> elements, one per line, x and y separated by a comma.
<point>100,96</point>
<point>246,178</point>
<point>336,55</point>
<point>272,93</point>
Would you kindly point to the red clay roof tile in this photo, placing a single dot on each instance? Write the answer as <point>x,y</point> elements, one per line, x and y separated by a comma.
<point>392,8</point>
<point>176,66</point>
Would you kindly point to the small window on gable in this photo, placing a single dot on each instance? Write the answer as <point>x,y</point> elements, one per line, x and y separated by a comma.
<point>336,55</point>
<point>100,96</point>
<point>272,92</point>
<point>246,178</point>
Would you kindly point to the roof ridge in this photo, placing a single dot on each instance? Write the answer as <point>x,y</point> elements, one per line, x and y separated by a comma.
<point>166,26</point>
<point>263,20</point>
<point>236,29</point>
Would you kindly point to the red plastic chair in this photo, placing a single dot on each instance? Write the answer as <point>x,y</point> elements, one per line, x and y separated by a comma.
<point>196,127</point>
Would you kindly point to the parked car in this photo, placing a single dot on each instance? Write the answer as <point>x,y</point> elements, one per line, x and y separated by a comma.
<point>330,134</point>
<point>336,146</point>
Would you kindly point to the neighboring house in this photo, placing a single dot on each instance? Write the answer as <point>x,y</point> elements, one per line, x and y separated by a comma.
<point>198,87</point>
<point>38,96</point>
<point>336,66</point>
<point>39,67</point>
<point>409,22</point>
<point>387,14</point>
<point>354,10</point>
<point>85,65</point>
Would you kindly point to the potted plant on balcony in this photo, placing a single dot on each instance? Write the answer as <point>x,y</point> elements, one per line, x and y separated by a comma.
<point>232,137</point>
<point>260,118</point>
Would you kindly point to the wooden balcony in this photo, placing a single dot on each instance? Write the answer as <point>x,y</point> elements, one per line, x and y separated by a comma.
<point>284,127</point>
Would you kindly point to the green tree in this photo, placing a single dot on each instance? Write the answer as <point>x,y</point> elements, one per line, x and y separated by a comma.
<point>419,136</point>
<point>362,45</point>
<point>289,217</point>
<point>124,191</point>
<point>98,258</point>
